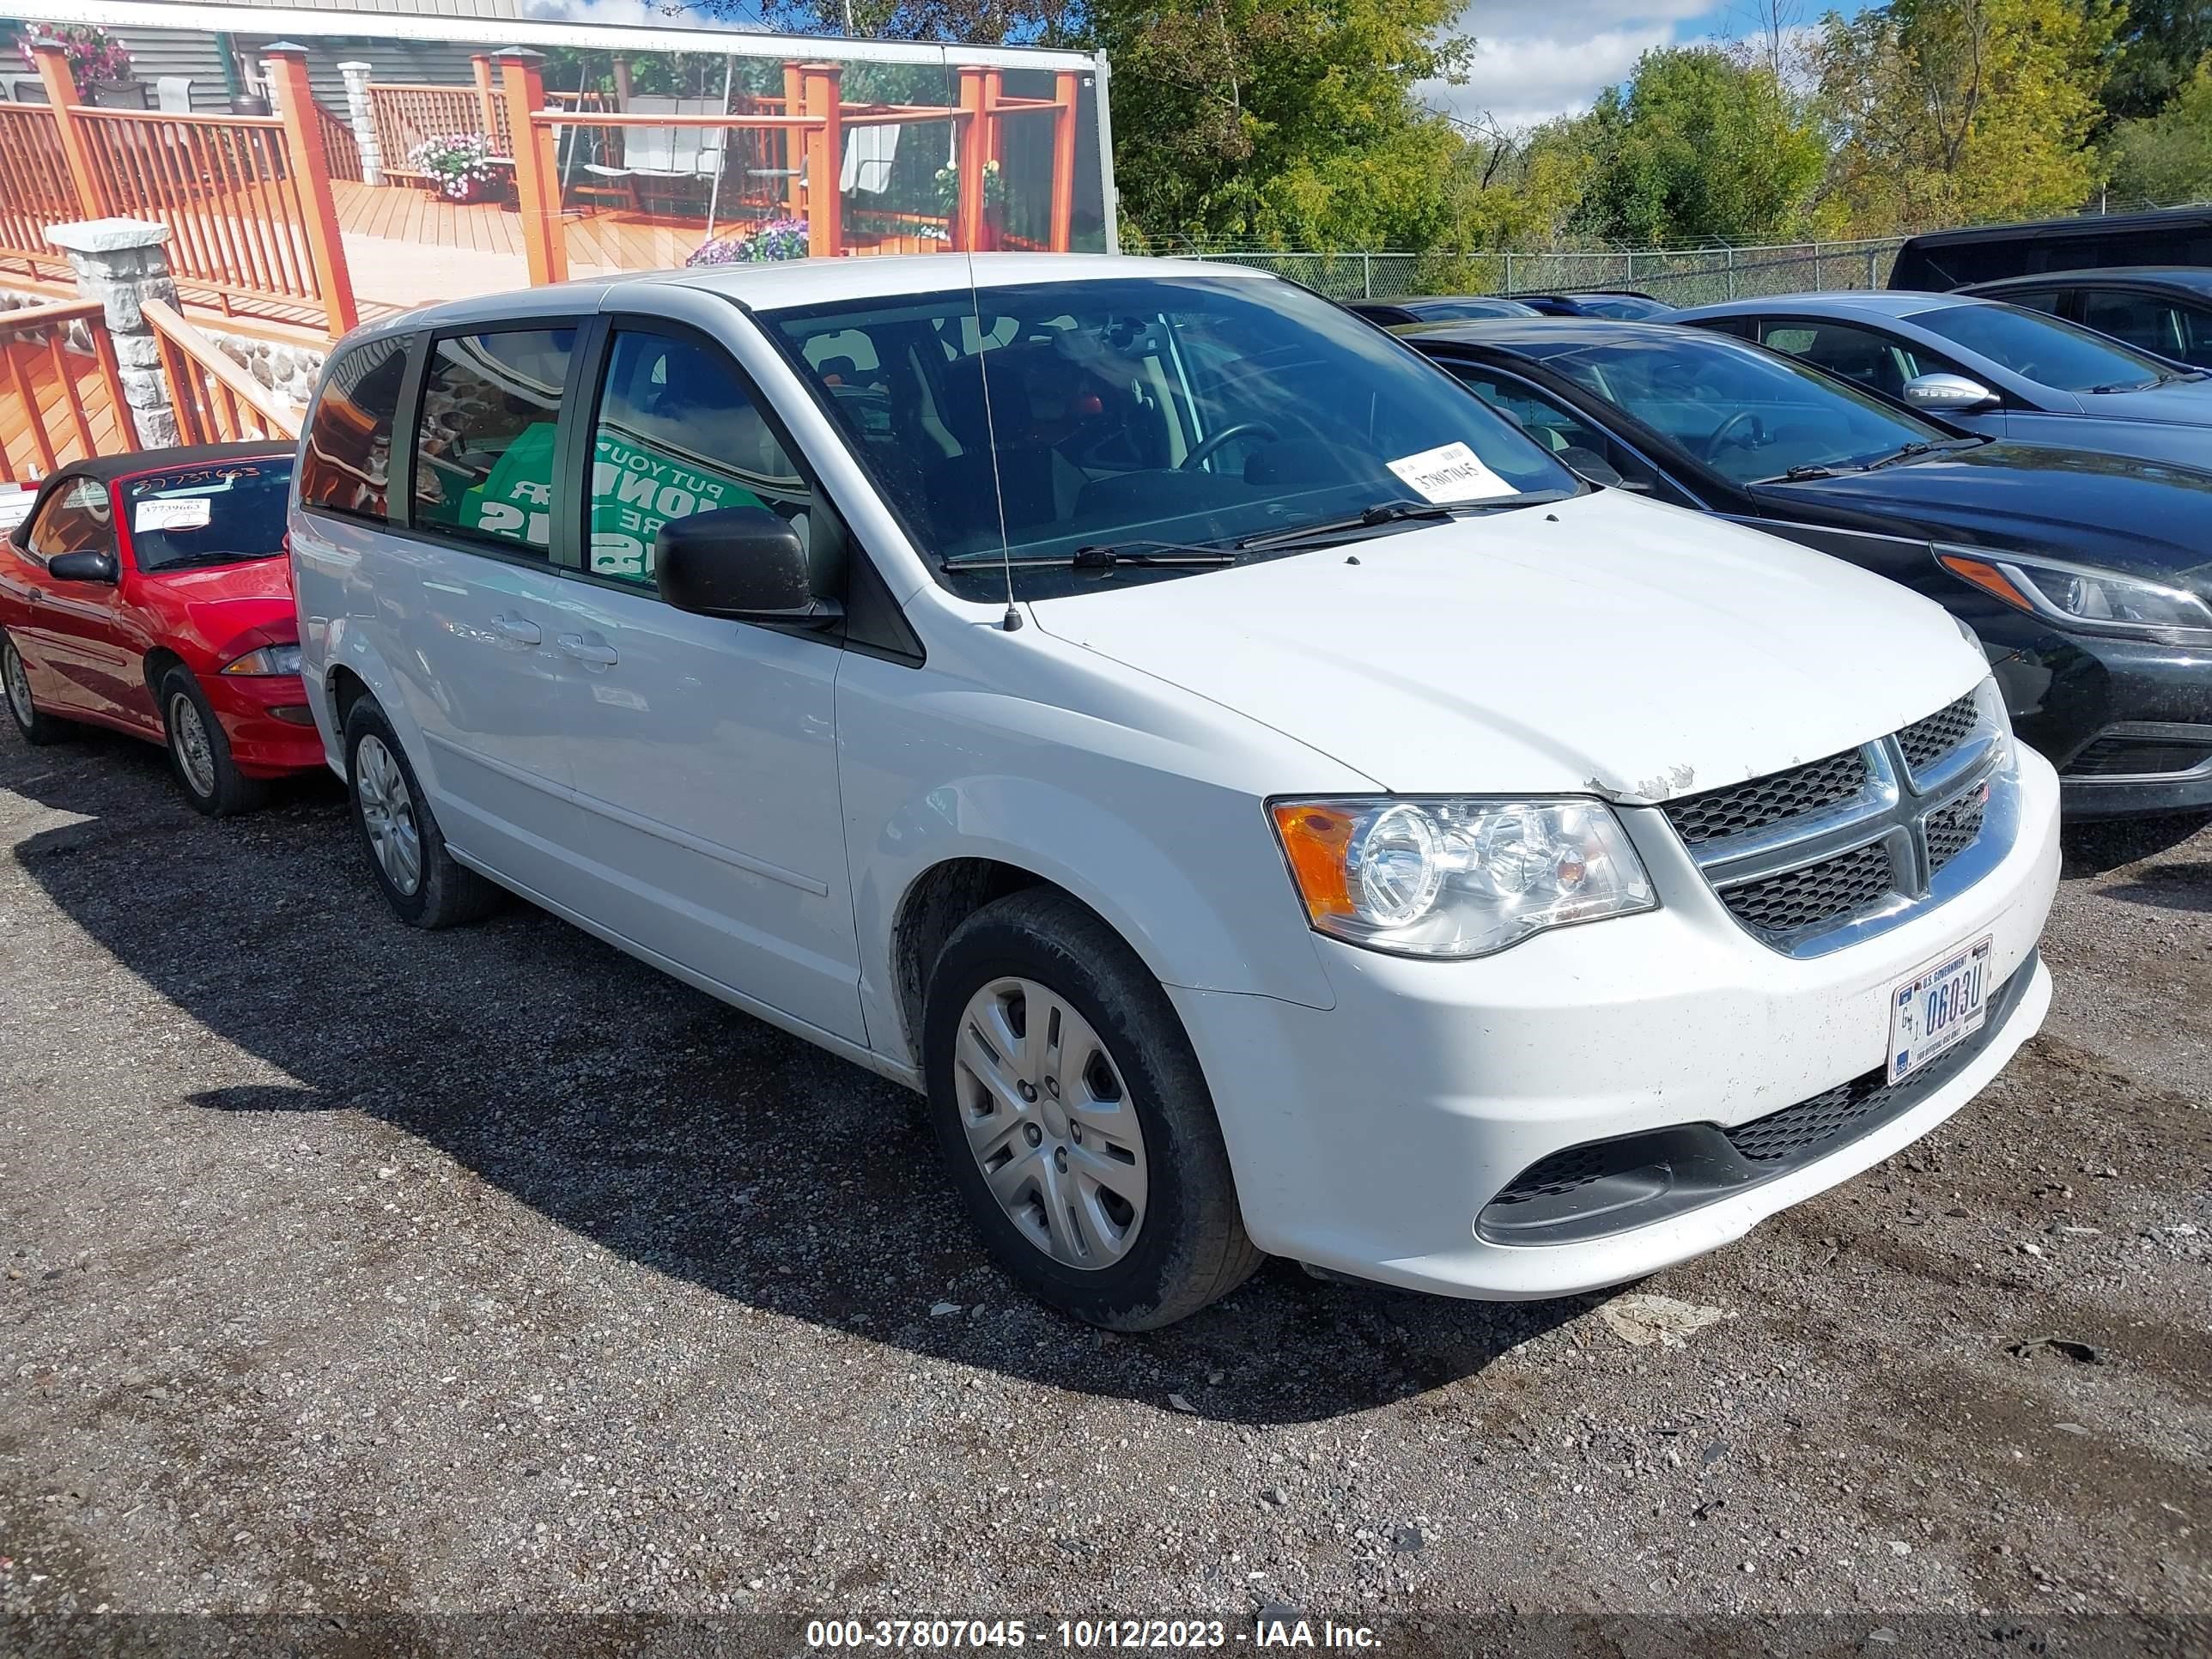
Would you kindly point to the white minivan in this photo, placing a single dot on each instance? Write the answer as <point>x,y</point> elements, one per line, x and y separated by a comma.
<point>1265,801</point>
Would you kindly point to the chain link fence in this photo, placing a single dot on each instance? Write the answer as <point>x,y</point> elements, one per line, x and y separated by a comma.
<point>1687,277</point>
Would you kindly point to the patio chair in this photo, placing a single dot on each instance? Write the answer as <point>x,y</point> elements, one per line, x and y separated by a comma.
<point>665,155</point>
<point>869,153</point>
<point>173,94</point>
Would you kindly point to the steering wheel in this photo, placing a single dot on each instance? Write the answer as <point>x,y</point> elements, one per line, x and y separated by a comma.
<point>1725,432</point>
<point>1228,434</point>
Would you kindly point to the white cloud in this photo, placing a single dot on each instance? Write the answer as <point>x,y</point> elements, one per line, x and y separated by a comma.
<point>1532,63</point>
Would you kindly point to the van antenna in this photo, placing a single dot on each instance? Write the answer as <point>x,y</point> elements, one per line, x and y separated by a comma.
<point>1012,622</point>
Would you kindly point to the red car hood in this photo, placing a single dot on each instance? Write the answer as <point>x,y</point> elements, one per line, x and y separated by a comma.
<point>224,602</point>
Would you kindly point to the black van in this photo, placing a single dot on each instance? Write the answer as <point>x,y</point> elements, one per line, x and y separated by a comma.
<point>1944,260</point>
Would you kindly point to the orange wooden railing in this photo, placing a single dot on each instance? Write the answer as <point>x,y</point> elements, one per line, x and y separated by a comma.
<point>252,222</point>
<point>221,184</point>
<point>35,190</point>
<point>216,400</point>
<point>406,115</point>
<point>340,147</point>
<point>61,405</point>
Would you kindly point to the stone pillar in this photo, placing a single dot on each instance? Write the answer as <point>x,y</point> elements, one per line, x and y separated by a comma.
<point>363,117</point>
<point>123,263</point>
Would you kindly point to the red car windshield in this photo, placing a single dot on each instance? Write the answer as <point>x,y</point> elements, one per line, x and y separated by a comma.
<point>215,513</point>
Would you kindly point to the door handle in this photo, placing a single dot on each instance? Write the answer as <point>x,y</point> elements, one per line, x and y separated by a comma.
<point>596,654</point>
<point>517,630</point>
<point>38,596</point>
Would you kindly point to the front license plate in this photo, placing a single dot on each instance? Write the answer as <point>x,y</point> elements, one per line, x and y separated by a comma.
<point>1936,1010</point>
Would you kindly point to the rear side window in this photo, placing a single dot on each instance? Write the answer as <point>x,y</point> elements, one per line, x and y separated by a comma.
<point>348,455</point>
<point>78,520</point>
<point>484,446</point>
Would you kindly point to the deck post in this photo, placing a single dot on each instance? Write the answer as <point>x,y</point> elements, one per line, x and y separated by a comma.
<point>794,143</point>
<point>480,64</point>
<point>361,111</point>
<point>1067,91</point>
<point>295,98</point>
<point>537,173</point>
<point>968,228</point>
<point>124,262</point>
<point>60,81</point>
<point>823,86</point>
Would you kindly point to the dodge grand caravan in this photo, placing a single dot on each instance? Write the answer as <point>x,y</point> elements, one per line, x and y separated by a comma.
<point>1264,801</point>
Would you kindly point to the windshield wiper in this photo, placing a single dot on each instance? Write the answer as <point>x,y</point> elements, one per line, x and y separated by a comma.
<point>1381,513</point>
<point>2132,385</point>
<point>1103,557</point>
<point>1804,472</point>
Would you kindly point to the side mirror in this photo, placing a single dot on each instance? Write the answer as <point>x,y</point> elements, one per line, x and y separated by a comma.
<point>1589,464</point>
<point>1948,394</point>
<point>742,563</point>
<point>82,567</point>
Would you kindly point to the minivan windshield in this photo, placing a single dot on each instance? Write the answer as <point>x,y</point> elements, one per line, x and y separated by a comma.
<point>2045,350</point>
<point>215,513</point>
<point>1748,414</point>
<point>1151,414</point>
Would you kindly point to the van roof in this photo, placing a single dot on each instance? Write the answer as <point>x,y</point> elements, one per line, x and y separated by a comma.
<point>781,285</point>
<point>2081,225</point>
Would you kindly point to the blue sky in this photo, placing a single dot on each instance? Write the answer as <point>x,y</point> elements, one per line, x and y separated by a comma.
<point>1537,60</point>
<point>1534,59</point>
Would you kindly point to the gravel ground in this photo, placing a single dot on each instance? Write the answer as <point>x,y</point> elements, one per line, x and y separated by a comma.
<point>351,1269</point>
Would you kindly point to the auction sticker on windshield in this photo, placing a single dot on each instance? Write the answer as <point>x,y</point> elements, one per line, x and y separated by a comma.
<point>1938,1009</point>
<point>1450,472</point>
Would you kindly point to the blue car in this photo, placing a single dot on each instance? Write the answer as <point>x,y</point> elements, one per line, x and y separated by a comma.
<point>2166,310</point>
<point>1999,370</point>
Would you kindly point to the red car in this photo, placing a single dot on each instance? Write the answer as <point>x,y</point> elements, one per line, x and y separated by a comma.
<point>150,592</point>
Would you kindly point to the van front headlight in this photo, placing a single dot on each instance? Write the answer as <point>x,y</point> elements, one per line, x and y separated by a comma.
<point>1433,875</point>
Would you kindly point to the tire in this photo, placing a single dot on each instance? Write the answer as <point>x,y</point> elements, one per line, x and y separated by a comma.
<point>199,752</point>
<point>1147,1230</point>
<point>15,691</point>
<point>424,884</point>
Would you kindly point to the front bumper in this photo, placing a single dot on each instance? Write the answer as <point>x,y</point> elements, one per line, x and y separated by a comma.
<point>1368,1137</point>
<point>267,720</point>
<point>2069,694</point>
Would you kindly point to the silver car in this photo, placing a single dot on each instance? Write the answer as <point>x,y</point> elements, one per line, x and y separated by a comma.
<point>1997,369</point>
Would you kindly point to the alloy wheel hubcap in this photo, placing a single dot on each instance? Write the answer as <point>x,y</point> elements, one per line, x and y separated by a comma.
<point>188,737</point>
<point>1051,1123</point>
<point>19,687</point>
<point>387,815</point>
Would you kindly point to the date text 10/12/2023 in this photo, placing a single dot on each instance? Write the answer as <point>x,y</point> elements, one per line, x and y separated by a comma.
<point>1086,1635</point>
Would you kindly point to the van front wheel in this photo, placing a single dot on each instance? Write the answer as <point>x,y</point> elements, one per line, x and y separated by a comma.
<point>1074,1118</point>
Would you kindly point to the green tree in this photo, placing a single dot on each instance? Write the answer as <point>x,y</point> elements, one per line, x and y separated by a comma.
<point>2161,44</point>
<point>1284,122</point>
<point>1944,111</point>
<point>2167,157</point>
<point>1698,148</point>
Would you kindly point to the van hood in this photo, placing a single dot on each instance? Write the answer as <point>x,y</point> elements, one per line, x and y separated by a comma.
<point>1604,645</point>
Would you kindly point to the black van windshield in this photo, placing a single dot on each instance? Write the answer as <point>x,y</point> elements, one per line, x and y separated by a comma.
<point>1147,414</point>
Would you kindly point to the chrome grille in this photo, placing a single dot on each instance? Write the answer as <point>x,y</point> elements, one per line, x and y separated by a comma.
<point>1925,742</point>
<point>1770,799</point>
<point>1952,830</point>
<point>1812,893</point>
<point>1809,858</point>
